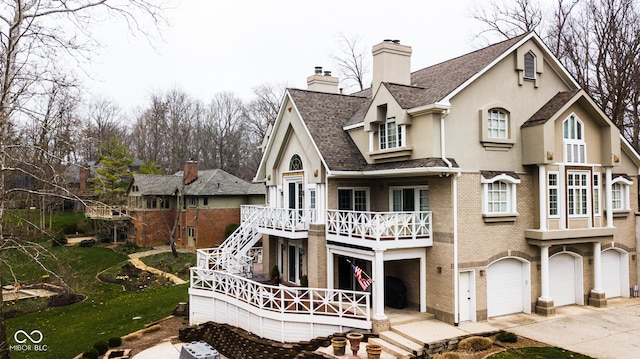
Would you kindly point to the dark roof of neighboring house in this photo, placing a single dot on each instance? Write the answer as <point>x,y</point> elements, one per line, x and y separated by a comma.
<point>209,183</point>
<point>325,115</point>
<point>157,185</point>
<point>550,108</point>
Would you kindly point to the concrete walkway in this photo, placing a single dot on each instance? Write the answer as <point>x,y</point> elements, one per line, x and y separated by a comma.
<point>134,258</point>
<point>609,332</point>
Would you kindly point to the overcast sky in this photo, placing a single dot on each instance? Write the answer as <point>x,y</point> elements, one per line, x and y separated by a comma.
<point>215,46</point>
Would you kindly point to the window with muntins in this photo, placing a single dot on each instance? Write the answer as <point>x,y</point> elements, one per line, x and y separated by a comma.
<point>498,124</point>
<point>391,134</point>
<point>553,193</point>
<point>295,164</point>
<point>578,193</point>
<point>351,199</point>
<point>596,194</point>
<point>620,194</point>
<point>529,66</point>
<point>499,196</point>
<point>573,138</point>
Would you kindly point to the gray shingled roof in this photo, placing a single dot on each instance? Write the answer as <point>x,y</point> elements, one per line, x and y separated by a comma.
<point>157,185</point>
<point>325,114</point>
<point>205,185</point>
<point>550,108</point>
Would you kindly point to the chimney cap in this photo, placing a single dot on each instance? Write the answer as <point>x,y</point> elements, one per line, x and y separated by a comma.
<point>396,41</point>
<point>327,73</point>
<point>318,70</point>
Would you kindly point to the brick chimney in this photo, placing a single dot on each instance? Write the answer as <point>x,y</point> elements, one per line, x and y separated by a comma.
<point>190,171</point>
<point>391,63</point>
<point>322,82</point>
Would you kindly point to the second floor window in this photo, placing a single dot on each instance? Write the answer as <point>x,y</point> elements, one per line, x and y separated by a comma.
<point>573,138</point>
<point>553,194</point>
<point>497,125</point>
<point>391,134</point>
<point>620,193</point>
<point>529,66</point>
<point>577,193</point>
<point>193,201</point>
<point>499,194</point>
<point>352,199</point>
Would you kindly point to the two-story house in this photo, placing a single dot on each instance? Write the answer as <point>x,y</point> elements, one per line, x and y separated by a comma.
<point>195,205</point>
<point>489,184</point>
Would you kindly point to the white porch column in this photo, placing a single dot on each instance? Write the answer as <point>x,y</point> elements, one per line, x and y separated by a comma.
<point>608,196</point>
<point>544,273</point>
<point>378,285</point>
<point>597,267</point>
<point>562,204</point>
<point>542,198</point>
<point>330,284</point>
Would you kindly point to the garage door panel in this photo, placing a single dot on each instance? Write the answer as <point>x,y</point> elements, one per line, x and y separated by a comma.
<point>611,273</point>
<point>505,287</point>
<point>562,283</point>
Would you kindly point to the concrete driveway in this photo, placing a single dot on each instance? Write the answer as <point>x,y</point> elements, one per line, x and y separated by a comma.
<point>610,332</point>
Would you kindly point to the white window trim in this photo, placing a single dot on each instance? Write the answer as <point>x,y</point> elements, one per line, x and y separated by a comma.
<point>557,188</point>
<point>588,191</point>
<point>353,189</point>
<point>624,195</point>
<point>597,202</point>
<point>416,195</point>
<point>570,144</point>
<point>401,135</point>
<point>512,204</point>
<point>504,118</point>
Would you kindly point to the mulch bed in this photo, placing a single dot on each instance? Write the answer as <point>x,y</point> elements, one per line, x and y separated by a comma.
<point>133,279</point>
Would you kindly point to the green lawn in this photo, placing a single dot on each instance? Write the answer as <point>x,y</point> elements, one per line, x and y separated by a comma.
<point>538,353</point>
<point>107,311</point>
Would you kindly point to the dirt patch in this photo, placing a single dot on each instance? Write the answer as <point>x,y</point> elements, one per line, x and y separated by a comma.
<point>134,279</point>
<point>155,333</point>
<point>499,347</point>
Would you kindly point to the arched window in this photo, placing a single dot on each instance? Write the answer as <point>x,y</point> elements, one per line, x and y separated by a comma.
<point>573,137</point>
<point>295,164</point>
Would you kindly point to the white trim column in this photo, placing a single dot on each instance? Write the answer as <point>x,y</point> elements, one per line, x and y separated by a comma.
<point>330,269</point>
<point>542,179</point>
<point>423,284</point>
<point>562,195</point>
<point>597,267</point>
<point>378,285</point>
<point>544,273</point>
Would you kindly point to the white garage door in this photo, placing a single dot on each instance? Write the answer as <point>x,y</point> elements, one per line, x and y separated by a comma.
<point>611,273</point>
<point>562,279</point>
<point>505,286</point>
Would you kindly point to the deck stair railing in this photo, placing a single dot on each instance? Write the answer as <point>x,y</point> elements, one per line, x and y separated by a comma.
<point>231,256</point>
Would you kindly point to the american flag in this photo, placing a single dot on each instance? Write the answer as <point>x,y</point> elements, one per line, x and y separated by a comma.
<point>364,283</point>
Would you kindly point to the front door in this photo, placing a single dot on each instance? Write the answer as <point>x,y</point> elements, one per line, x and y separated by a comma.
<point>465,299</point>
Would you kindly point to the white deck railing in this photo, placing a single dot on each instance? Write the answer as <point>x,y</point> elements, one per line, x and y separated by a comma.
<point>222,259</point>
<point>105,212</point>
<point>291,300</point>
<point>283,219</point>
<point>379,225</point>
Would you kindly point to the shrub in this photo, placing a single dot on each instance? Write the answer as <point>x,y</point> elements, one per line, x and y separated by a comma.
<point>115,342</point>
<point>229,229</point>
<point>59,240</point>
<point>101,347</point>
<point>475,344</point>
<point>90,353</point>
<point>447,355</point>
<point>507,337</point>
<point>129,247</point>
<point>70,228</point>
<point>87,243</point>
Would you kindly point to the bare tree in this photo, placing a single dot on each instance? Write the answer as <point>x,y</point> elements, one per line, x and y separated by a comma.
<point>103,120</point>
<point>598,41</point>
<point>38,39</point>
<point>352,61</point>
<point>508,18</point>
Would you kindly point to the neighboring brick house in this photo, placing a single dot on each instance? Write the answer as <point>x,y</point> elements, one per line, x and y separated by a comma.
<point>489,184</point>
<point>198,204</point>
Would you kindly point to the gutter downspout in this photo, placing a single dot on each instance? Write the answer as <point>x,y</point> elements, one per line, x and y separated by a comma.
<point>454,200</point>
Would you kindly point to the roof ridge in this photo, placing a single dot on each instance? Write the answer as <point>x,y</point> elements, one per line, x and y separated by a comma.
<point>325,93</point>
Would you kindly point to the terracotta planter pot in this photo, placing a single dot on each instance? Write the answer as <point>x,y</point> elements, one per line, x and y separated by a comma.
<point>354,342</point>
<point>373,351</point>
<point>339,344</point>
